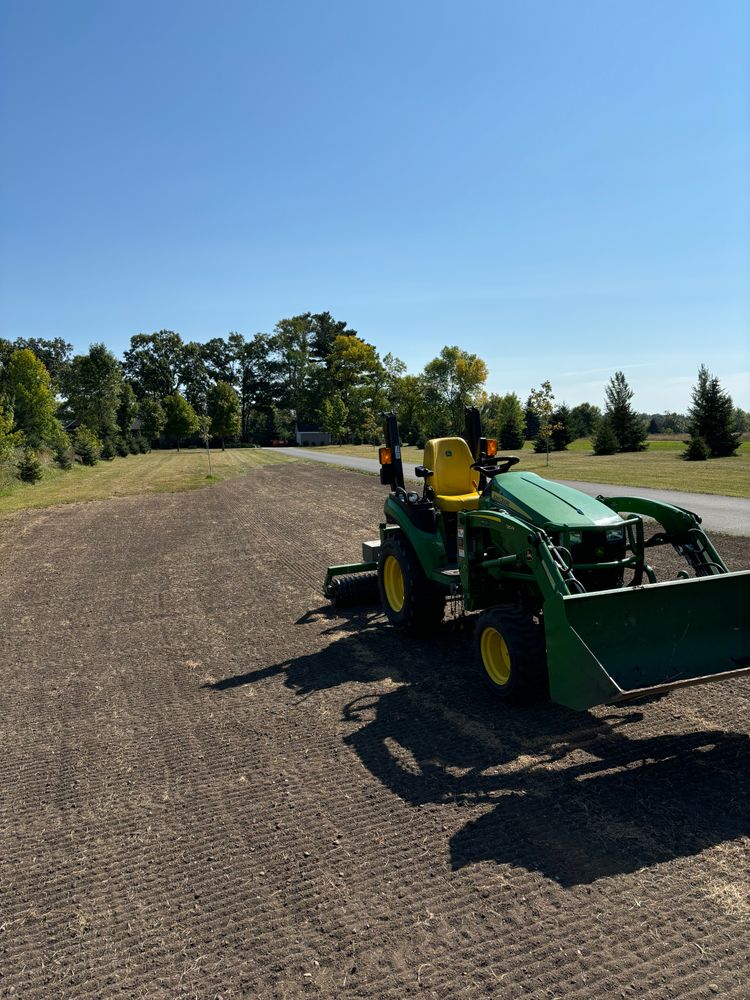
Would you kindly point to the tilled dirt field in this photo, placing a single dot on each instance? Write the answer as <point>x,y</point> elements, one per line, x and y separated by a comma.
<point>213,786</point>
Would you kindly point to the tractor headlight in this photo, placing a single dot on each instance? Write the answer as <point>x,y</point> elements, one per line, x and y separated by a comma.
<point>615,535</point>
<point>574,538</point>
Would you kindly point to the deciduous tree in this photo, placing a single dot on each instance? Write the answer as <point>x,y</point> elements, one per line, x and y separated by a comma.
<point>93,387</point>
<point>224,411</point>
<point>30,393</point>
<point>452,380</point>
<point>152,363</point>
<point>181,419</point>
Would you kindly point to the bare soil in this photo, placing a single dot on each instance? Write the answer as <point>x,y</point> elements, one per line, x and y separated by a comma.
<point>214,786</point>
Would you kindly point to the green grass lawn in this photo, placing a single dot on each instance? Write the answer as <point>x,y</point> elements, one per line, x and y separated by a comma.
<point>660,466</point>
<point>156,472</point>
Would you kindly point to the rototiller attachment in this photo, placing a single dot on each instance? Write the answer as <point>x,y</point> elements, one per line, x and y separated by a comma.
<point>546,566</point>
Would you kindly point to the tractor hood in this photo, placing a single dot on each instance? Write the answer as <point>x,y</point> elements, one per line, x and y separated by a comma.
<point>541,501</point>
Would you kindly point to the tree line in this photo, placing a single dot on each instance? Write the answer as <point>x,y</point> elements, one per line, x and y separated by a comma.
<point>312,369</point>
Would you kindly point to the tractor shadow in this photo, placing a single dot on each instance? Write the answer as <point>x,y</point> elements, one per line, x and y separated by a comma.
<point>576,796</point>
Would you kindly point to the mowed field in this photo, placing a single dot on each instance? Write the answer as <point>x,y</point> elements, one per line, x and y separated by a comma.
<point>162,471</point>
<point>661,466</point>
<point>214,785</point>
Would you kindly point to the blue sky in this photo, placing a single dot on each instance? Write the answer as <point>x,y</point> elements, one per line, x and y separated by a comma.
<point>562,188</point>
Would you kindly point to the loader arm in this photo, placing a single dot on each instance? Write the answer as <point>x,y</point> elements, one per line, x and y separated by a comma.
<point>682,530</point>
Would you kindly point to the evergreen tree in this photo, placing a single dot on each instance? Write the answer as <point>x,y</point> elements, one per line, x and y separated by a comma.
<point>697,450</point>
<point>561,436</point>
<point>87,445</point>
<point>29,467</point>
<point>510,425</point>
<point>712,416</point>
<point>63,451</point>
<point>627,426</point>
<point>531,419</point>
<point>605,440</point>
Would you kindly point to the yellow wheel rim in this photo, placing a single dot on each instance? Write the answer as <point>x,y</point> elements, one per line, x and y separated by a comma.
<point>393,582</point>
<point>495,656</point>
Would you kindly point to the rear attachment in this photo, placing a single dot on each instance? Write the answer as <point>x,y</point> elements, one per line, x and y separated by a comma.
<point>354,583</point>
<point>354,590</point>
<point>617,645</point>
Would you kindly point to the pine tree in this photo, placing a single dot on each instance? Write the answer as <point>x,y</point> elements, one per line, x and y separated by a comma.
<point>626,425</point>
<point>29,467</point>
<point>531,419</point>
<point>712,416</point>
<point>87,445</point>
<point>511,423</point>
<point>605,440</point>
<point>561,436</point>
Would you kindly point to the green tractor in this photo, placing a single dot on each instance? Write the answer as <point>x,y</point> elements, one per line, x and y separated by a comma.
<point>546,566</point>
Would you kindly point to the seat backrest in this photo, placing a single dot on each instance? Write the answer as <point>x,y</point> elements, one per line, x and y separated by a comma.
<point>450,461</point>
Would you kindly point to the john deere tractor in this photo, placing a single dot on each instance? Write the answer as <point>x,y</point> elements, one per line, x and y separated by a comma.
<point>568,605</point>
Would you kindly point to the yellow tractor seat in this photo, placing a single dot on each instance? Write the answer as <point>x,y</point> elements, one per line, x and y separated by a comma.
<point>453,481</point>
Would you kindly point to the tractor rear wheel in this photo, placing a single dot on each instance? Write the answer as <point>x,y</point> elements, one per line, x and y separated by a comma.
<point>412,603</point>
<point>510,652</point>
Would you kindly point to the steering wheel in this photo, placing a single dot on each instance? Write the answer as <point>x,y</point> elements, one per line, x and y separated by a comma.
<point>500,464</point>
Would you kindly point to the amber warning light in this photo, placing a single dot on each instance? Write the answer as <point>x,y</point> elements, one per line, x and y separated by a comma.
<point>491,447</point>
<point>385,455</point>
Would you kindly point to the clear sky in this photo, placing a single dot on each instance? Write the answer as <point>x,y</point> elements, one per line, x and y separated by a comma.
<point>563,188</point>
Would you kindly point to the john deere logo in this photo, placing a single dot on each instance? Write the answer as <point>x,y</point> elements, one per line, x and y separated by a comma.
<point>448,453</point>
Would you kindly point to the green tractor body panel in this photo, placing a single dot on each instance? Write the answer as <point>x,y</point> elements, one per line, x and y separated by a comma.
<point>617,645</point>
<point>429,546</point>
<point>543,502</point>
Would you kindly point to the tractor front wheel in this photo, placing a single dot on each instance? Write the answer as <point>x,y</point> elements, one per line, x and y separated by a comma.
<point>510,651</point>
<point>412,603</point>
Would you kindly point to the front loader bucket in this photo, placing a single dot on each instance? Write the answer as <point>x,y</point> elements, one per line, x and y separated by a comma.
<point>616,645</point>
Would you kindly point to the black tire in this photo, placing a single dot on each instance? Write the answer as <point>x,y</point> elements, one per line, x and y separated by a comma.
<point>355,589</point>
<point>516,671</point>
<point>423,605</point>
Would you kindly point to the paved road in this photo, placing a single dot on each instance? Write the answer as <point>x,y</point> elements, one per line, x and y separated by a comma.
<point>730,515</point>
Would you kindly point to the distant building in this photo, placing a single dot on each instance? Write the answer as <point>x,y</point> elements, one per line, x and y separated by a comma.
<point>311,434</point>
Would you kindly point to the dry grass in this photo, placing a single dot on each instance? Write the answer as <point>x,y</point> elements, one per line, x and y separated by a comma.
<point>156,472</point>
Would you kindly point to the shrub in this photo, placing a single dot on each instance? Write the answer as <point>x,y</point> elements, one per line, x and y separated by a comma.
<point>605,440</point>
<point>87,445</point>
<point>108,450</point>
<point>143,445</point>
<point>132,445</point>
<point>121,446</point>
<point>29,467</point>
<point>64,454</point>
<point>697,450</point>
